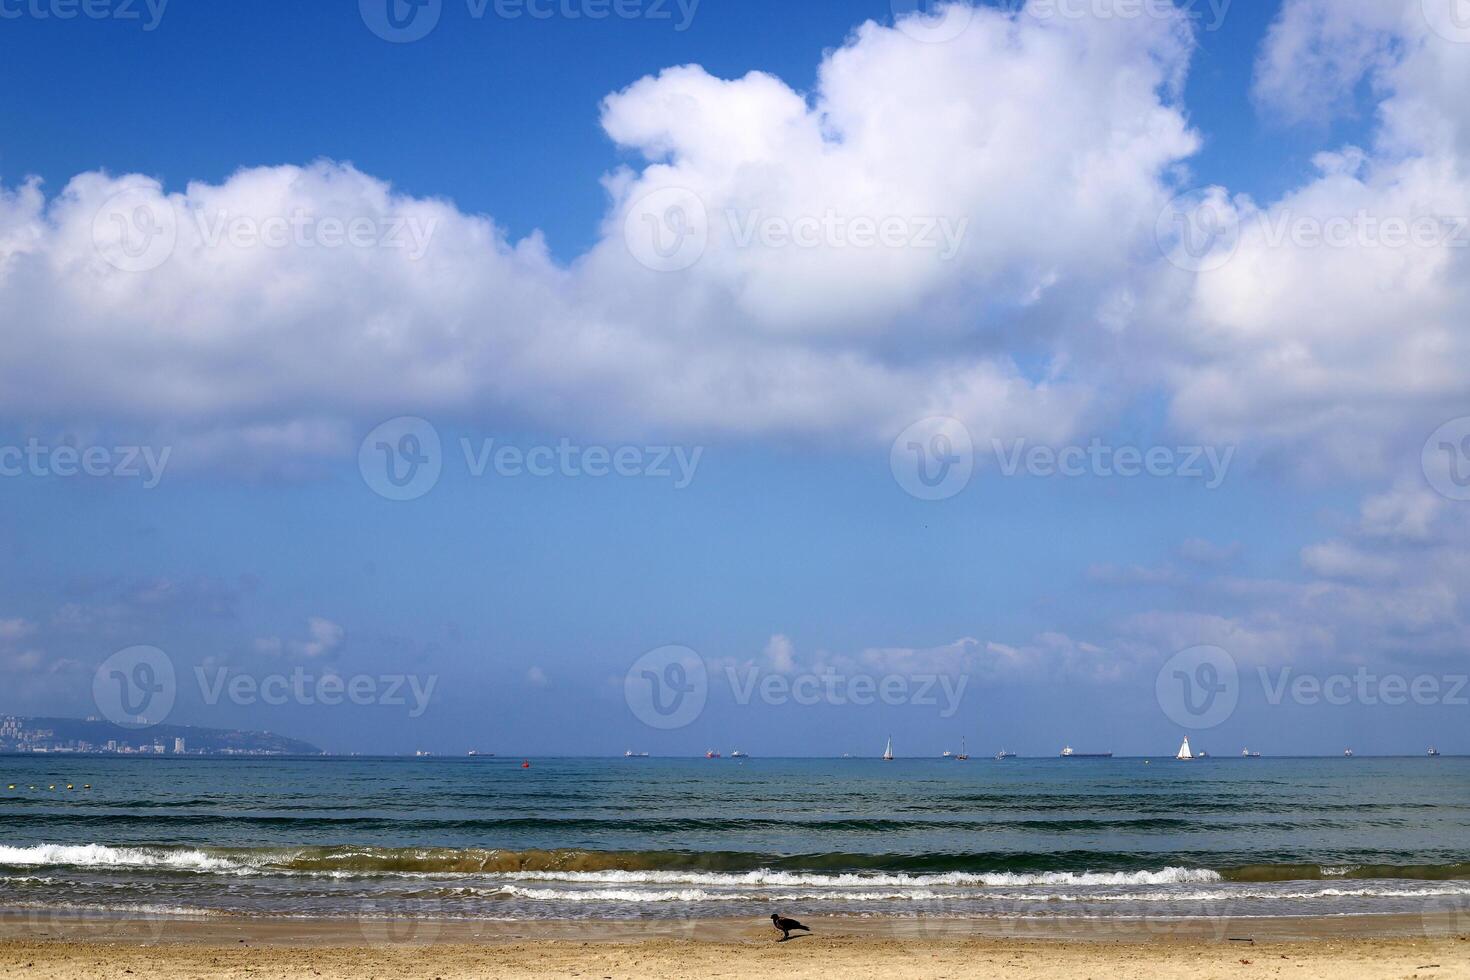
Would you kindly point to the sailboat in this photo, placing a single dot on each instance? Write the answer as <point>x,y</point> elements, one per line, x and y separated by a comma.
<point>1184,752</point>
<point>964,755</point>
<point>888,750</point>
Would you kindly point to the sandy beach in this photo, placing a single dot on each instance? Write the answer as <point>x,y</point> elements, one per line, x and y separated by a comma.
<point>255,948</point>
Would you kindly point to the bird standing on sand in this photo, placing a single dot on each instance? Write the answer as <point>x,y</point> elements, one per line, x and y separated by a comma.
<point>787,926</point>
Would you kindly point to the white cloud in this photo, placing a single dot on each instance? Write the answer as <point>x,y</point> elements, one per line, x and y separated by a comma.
<point>1397,588</point>
<point>781,654</point>
<point>1046,655</point>
<point>323,638</point>
<point>1048,141</point>
<point>1332,339</point>
<point>12,630</point>
<point>1319,51</point>
<point>1340,560</point>
<point>1053,142</point>
<point>1405,513</point>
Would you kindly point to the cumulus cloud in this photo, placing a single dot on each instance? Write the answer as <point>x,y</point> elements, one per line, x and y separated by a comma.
<point>1329,332</point>
<point>1023,166</point>
<point>1034,151</point>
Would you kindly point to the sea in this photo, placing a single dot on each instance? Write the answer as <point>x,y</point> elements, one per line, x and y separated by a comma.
<point>687,839</point>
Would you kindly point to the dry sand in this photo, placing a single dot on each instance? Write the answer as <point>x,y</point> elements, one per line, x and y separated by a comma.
<point>37,949</point>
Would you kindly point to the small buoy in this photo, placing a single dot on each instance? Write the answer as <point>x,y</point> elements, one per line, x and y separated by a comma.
<point>525,765</point>
<point>11,786</point>
<point>52,786</point>
<point>70,786</point>
<point>86,786</point>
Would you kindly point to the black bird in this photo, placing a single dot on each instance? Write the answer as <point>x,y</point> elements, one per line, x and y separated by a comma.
<point>787,926</point>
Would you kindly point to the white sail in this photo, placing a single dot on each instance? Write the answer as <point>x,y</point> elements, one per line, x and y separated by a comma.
<point>888,750</point>
<point>1184,752</point>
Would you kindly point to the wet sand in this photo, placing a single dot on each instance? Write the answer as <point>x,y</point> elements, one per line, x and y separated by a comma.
<point>48,945</point>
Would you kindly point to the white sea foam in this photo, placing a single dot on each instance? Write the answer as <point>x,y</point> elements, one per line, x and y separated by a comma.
<point>791,879</point>
<point>1379,889</point>
<point>642,895</point>
<point>919,894</point>
<point>183,859</point>
<point>147,909</point>
<point>102,856</point>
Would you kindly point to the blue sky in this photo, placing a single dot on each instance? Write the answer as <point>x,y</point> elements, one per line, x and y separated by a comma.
<point>1327,547</point>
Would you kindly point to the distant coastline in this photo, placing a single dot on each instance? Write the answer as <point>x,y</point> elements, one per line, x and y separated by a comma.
<point>21,735</point>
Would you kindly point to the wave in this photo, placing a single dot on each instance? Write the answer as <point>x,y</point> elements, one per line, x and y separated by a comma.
<point>653,895</point>
<point>644,896</point>
<point>698,869</point>
<point>787,879</point>
<point>100,855</point>
<point>126,908</point>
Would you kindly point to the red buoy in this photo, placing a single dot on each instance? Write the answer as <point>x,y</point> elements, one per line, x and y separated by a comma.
<point>525,765</point>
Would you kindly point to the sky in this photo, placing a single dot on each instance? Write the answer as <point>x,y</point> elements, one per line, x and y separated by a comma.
<point>571,377</point>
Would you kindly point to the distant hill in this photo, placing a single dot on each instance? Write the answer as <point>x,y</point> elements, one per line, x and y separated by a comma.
<point>209,740</point>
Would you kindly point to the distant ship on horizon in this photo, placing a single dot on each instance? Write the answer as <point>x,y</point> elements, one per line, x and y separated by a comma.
<point>1003,755</point>
<point>1071,753</point>
<point>1248,754</point>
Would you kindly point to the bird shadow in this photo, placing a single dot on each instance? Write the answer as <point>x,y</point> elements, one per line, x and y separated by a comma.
<point>787,939</point>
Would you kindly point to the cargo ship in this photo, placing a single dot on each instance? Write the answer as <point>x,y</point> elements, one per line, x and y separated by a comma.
<point>1071,753</point>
